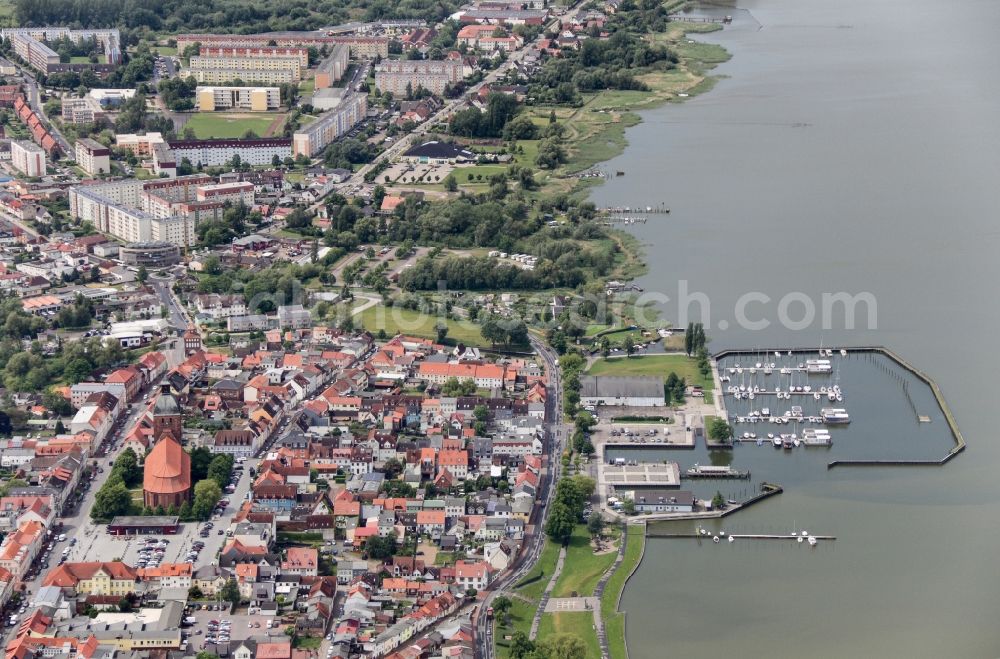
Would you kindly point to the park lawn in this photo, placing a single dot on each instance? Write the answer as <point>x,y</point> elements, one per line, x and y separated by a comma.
<point>543,569</point>
<point>577,623</point>
<point>307,86</point>
<point>224,125</point>
<point>79,59</point>
<point>165,50</point>
<point>661,365</point>
<point>614,620</point>
<point>396,320</point>
<point>519,619</point>
<point>582,568</point>
<point>308,642</point>
<point>486,171</point>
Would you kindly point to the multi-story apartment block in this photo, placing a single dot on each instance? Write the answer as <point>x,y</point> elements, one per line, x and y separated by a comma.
<point>257,76</point>
<point>28,44</point>
<point>92,156</point>
<point>256,51</point>
<point>27,158</point>
<point>254,99</point>
<point>165,210</point>
<point>243,64</point>
<point>433,75</point>
<point>216,153</point>
<point>140,145</point>
<point>313,138</point>
<point>332,69</point>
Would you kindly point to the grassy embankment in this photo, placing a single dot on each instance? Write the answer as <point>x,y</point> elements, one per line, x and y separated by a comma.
<point>614,620</point>
<point>524,599</point>
<point>581,571</point>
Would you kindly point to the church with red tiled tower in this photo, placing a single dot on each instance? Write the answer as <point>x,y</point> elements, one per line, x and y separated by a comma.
<point>167,469</point>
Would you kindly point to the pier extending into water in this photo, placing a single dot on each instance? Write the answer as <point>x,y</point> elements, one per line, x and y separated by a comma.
<point>681,18</point>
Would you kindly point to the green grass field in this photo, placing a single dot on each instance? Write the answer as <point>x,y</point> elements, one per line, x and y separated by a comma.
<point>661,365</point>
<point>207,125</point>
<point>577,623</point>
<point>544,568</point>
<point>614,621</point>
<point>519,619</point>
<point>582,569</point>
<point>396,320</point>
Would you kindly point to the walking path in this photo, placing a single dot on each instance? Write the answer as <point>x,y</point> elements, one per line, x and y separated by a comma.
<point>602,636</point>
<point>543,602</point>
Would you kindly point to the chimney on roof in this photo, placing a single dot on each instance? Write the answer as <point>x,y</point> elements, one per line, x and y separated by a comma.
<point>165,389</point>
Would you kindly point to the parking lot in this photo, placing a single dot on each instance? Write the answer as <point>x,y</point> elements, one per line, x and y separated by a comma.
<point>97,545</point>
<point>239,626</point>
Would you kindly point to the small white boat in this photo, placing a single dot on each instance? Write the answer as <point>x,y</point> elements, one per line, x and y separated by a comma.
<point>799,539</point>
<point>843,353</point>
<point>715,539</point>
<point>797,442</point>
<point>732,539</point>
<point>805,533</point>
<point>757,365</point>
<point>812,541</point>
<point>770,435</point>
<point>816,396</point>
<point>732,370</point>
<point>777,442</point>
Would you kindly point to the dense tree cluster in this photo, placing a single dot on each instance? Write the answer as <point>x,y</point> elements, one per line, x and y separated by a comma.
<point>178,93</point>
<point>134,117</point>
<point>571,497</point>
<point>500,109</point>
<point>604,64</point>
<point>349,152</point>
<point>220,15</point>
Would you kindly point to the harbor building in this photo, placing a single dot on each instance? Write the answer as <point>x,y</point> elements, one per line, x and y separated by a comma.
<point>254,99</point>
<point>27,158</point>
<point>660,501</point>
<point>625,391</point>
<point>92,156</point>
<point>313,138</point>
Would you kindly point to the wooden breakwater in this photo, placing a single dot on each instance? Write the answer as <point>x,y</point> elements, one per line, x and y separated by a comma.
<point>902,363</point>
<point>767,490</point>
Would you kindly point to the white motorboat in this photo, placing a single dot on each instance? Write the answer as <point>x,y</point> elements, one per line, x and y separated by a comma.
<point>812,540</point>
<point>715,539</point>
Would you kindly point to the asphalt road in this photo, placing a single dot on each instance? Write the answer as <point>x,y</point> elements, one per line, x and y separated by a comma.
<point>555,433</point>
<point>176,314</point>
